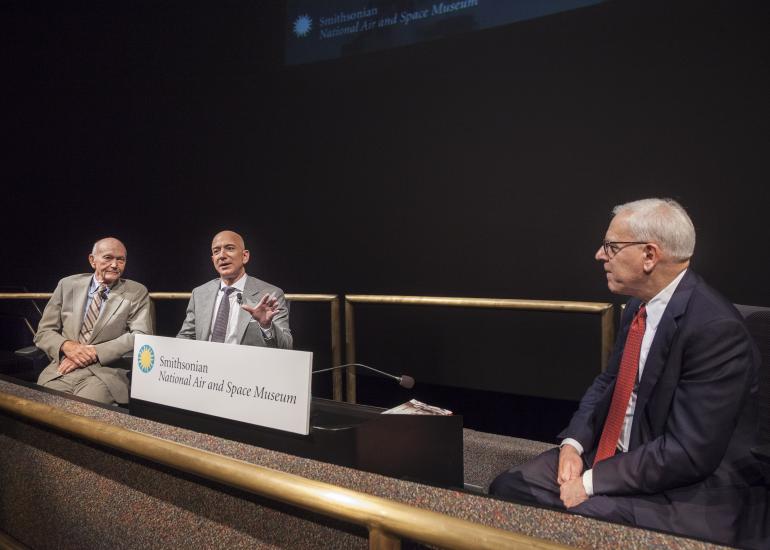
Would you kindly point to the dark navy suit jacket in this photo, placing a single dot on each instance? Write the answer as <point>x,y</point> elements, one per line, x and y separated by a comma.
<point>695,418</point>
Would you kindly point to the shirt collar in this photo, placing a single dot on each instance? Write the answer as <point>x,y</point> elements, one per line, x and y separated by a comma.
<point>95,285</point>
<point>657,305</point>
<point>239,285</point>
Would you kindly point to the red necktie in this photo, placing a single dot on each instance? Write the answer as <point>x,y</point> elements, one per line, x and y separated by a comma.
<point>629,365</point>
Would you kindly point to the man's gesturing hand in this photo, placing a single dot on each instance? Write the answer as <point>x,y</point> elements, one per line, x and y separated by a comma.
<point>264,311</point>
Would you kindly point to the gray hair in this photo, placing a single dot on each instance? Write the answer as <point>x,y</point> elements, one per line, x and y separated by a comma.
<point>662,221</point>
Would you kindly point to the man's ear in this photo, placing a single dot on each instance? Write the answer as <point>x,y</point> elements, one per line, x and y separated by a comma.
<point>246,256</point>
<point>652,255</point>
<point>92,260</point>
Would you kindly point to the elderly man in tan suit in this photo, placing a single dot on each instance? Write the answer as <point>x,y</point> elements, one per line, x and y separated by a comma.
<point>89,323</point>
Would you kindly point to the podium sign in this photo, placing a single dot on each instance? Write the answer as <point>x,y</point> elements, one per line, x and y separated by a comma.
<point>263,386</point>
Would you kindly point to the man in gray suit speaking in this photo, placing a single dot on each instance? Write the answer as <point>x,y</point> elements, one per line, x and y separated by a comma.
<point>89,323</point>
<point>236,308</point>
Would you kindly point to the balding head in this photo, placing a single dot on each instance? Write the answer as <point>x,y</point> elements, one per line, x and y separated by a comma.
<point>108,259</point>
<point>228,236</point>
<point>229,255</point>
<point>108,242</point>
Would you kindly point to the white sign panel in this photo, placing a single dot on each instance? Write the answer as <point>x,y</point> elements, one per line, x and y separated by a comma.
<point>264,386</point>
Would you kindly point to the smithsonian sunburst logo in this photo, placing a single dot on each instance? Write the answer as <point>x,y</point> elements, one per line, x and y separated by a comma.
<point>145,358</point>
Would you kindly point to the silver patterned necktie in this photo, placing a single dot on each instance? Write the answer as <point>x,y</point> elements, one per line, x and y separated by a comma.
<point>223,316</point>
<point>91,315</point>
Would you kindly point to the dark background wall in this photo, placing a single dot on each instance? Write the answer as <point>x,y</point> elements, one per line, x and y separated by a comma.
<point>481,165</point>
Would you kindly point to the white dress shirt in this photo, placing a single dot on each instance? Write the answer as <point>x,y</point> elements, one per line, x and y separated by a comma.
<point>231,337</point>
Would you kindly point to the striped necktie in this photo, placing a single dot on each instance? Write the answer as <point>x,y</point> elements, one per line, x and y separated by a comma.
<point>91,315</point>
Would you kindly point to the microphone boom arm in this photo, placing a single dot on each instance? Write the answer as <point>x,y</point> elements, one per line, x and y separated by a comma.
<point>404,380</point>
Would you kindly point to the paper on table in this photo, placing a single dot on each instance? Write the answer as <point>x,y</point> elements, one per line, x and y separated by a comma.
<point>417,407</point>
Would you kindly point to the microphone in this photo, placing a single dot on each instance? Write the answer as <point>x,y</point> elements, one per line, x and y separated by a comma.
<point>104,294</point>
<point>239,297</point>
<point>404,380</point>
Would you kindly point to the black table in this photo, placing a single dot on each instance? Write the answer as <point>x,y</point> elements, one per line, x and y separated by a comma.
<point>423,448</point>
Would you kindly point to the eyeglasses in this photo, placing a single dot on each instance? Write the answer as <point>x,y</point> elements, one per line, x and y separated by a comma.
<point>611,248</point>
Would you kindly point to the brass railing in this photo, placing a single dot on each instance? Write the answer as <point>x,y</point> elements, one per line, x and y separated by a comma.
<point>332,299</point>
<point>387,521</point>
<point>604,310</point>
<point>7,542</point>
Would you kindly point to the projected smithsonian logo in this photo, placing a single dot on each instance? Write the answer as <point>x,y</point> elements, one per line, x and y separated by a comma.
<point>328,29</point>
<point>145,358</point>
<point>303,25</point>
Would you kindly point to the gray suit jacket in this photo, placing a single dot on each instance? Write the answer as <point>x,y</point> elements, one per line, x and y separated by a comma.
<point>200,310</point>
<point>126,312</point>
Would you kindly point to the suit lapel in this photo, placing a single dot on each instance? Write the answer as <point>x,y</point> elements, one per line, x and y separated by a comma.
<point>78,298</point>
<point>661,344</point>
<point>114,300</point>
<point>208,301</point>
<point>250,294</point>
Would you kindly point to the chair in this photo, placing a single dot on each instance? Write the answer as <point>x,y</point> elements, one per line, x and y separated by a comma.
<point>757,320</point>
<point>16,329</point>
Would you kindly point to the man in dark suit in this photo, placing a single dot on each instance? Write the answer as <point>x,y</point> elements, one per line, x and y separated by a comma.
<point>236,308</point>
<point>662,438</point>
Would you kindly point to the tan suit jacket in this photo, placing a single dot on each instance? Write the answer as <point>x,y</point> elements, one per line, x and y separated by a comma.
<point>125,313</point>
